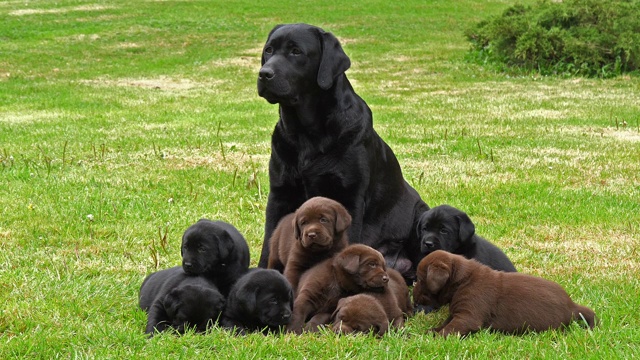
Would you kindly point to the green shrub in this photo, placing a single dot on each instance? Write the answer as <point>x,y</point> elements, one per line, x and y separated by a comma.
<point>576,37</point>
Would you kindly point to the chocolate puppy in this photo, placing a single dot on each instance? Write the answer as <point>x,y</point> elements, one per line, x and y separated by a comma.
<point>447,228</point>
<point>356,269</point>
<point>316,231</point>
<point>360,313</point>
<point>480,297</point>
<point>176,300</point>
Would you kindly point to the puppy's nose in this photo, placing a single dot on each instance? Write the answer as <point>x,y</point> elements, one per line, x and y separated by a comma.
<point>385,278</point>
<point>266,74</point>
<point>286,316</point>
<point>428,243</point>
<point>187,265</point>
<point>312,235</point>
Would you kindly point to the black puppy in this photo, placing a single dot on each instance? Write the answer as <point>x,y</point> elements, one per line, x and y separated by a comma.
<point>261,300</point>
<point>215,250</point>
<point>176,300</point>
<point>324,144</point>
<point>447,228</point>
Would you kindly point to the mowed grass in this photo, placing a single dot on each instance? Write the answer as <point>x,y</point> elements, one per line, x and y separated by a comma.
<point>123,122</point>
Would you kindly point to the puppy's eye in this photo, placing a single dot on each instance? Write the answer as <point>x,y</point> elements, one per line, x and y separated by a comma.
<point>296,51</point>
<point>372,264</point>
<point>324,220</point>
<point>202,249</point>
<point>273,302</point>
<point>268,50</point>
<point>444,231</point>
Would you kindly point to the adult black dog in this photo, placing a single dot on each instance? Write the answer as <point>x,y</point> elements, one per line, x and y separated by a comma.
<point>261,300</point>
<point>215,250</point>
<point>447,228</point>
<point>176,300</point>
<point>324,144</point>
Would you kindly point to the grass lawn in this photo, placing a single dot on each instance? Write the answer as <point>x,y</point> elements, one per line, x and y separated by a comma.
<point>123,122</point>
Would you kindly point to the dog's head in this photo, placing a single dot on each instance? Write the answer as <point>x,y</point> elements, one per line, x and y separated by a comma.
<point>320,223</point>
<point>193,306</point>
<point>206,248</point>
<point>299,60</point>
<point>437,277</point>
<point>360,313</point>
<point>361,268</point>
<point>444,227</point>
<point>268,297</point>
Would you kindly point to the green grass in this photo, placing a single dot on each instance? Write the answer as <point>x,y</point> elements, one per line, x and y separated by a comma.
<point>144,115</point>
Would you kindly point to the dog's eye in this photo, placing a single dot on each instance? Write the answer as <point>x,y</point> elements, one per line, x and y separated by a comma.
<point>268,50</point>
<point>324,220</point>
<point>296,51</point>
<point>273,302</point>
<point>202,249</point>
<point>444,231</point>
<point>372,264</point>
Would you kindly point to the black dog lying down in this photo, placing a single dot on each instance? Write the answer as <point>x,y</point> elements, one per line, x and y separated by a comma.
<point>215,250</point>
<point>176,300</point>
<point>447,228</point>
<point>261,300</point>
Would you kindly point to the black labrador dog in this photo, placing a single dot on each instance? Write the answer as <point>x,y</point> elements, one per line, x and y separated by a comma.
<point>215,250</point>
<point>261,300</point>
<point>324,144</point>
<point>176,300</point>
<point>447,228</point>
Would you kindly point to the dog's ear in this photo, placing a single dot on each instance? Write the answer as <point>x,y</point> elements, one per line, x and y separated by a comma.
<point>333,61</point>
<point>343,219</point>
<point>171,302</point>
<point>381,328</point>
<point>466,227</point>
<point>437,276</point>
<point>269,37</point>
<point>225,245</point>
<point>350,263</point>
<point>251,300</point>
<point>297,232</point>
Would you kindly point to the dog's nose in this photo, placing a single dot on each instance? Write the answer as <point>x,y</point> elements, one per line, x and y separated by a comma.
<point>187,265</point>
<point>385,278</point>
<point>312,235</point>
<point>286,316</point>
<point>428,243</point>
<point>265,74</point>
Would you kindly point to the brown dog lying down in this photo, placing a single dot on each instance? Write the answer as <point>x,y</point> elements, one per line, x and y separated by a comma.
<point>316,231</point>
<point>356,269</point>
<point>360,313</point>
<point>480,297</point>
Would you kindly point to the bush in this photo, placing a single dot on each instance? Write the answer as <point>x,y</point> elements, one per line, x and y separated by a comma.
<point>576,37</point>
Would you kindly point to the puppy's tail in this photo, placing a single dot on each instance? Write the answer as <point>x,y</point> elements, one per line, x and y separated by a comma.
<point>584,315</point>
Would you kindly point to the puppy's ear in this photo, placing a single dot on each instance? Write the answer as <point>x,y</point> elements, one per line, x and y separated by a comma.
<point>251,300</point>
<point>343,220</point>
<point>269,37</point>
<point>225,245</point>
<point>333,62</point>
<point>297,232</point>
<point>437,277</point>
<point>350,263</point>
<point>171,302</point>
<point>466,227</point>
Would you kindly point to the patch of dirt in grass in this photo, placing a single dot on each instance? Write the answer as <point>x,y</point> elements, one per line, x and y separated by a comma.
<point>164,83</point>
<point>30,117</point>
<point>94,7</point>
<point>229,161</point>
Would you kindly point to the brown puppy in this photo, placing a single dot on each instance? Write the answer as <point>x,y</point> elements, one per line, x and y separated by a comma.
<point>360,313</point>
<point>316,231</point>
<point>356,269</point>
<point>480,297</point>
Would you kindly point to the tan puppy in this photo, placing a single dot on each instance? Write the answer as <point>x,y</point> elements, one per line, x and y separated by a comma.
<point>360,313</point>
<point>316,231</point>
<point>480,297</point>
